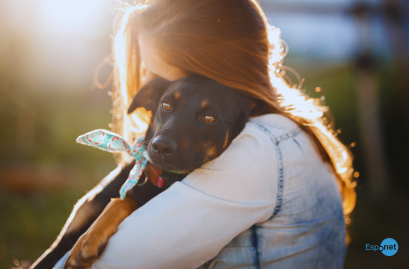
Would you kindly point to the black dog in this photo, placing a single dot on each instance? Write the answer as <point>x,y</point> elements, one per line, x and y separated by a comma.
<point>194,119</point>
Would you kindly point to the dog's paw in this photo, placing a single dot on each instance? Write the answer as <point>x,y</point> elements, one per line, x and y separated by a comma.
<point>87,249</point>
<point>91,244</point>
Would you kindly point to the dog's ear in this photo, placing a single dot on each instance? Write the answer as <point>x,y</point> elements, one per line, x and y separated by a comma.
<point>247,105</point>
<point>149,95</point>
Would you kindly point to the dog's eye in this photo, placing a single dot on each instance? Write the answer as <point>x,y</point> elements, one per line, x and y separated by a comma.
<point>209,118</point>
<point>165,106</point>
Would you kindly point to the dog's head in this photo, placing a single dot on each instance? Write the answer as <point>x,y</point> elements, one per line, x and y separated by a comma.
<point>194,119</point>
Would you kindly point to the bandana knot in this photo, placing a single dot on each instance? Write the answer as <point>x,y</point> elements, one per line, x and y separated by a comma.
<point>114,143</point>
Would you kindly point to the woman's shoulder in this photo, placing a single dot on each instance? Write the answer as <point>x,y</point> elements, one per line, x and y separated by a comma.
<point>274,125</point>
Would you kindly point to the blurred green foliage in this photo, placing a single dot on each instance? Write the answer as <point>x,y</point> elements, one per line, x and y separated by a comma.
<point>56,119</point>
<point>29,224</point>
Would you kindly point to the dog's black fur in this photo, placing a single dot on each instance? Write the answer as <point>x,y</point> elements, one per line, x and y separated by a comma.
<point>178,138</point>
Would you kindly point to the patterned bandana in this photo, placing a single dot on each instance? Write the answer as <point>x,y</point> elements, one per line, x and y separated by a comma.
<point>111,142</point>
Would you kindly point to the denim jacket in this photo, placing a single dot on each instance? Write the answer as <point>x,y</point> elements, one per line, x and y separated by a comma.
<point>269,201</point>
<point>307,227</point>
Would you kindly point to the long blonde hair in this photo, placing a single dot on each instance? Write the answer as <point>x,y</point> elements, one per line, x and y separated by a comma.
<point>229,41</point>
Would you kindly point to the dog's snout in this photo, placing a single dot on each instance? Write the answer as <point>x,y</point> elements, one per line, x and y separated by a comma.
<point>162,147</point>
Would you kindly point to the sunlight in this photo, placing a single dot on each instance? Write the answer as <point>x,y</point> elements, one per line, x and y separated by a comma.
<point>70,16</point>
<point>121,57</point>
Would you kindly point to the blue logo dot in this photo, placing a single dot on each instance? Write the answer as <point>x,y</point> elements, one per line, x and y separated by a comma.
<point>389,247</point>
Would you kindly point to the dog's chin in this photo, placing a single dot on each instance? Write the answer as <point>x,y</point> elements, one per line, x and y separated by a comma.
<point>162,166</point>
<point>166,167</point>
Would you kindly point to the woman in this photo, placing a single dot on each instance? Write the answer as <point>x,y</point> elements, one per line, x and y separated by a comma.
<point>276,198</point>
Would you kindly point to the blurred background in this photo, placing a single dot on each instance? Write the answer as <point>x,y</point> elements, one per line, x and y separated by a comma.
<point>353,54</point>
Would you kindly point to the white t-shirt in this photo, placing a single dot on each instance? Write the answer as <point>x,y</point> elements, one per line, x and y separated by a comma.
<point>190,222</point>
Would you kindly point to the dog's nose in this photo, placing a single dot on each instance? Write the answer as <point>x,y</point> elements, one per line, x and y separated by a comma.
<point>163,147</point>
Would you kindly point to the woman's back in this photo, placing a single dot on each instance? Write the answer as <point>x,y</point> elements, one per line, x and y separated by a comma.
<point>307,227</point>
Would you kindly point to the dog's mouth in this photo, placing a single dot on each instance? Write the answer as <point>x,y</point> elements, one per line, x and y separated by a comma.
<point>170,169</point>
<point>160,177</point>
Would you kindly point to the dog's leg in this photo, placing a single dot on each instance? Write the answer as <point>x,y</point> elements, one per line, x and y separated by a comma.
<point>91,244</point>
<point>84,214</point>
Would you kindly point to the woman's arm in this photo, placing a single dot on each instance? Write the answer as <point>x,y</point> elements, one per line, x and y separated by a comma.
<point>189,223</point>
<point>84,213</point>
